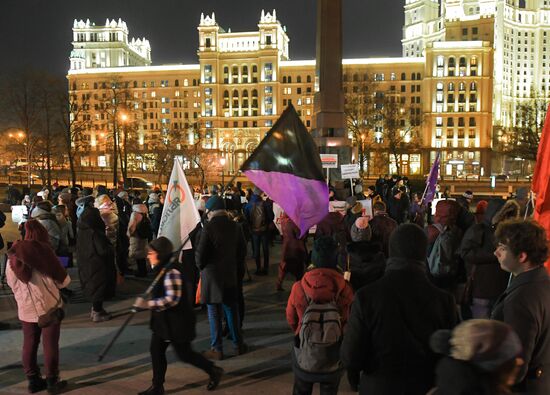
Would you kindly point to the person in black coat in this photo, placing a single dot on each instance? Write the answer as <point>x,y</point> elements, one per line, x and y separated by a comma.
<point>365,260</point>
<point>392,319</point>
<point>220,257</point>
<point>96,262</point>
<point>172,319</point>
<point>522,249</point>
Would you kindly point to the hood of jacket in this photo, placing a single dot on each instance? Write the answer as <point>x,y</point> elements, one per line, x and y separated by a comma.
<point>40,213</point>
<point>139,208</point>
<point>510,210</point>
<point>322,285</point>
<point>499,210</point>
<point>91,219</point>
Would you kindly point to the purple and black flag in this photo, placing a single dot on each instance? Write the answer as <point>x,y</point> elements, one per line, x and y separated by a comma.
<point>431,182</point>
<point>287,166</point>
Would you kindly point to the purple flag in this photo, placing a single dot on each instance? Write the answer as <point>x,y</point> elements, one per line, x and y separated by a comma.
<point>287,166</point>
<point>432,181</point>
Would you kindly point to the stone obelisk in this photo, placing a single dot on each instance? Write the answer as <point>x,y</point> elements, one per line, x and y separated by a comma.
<point>330,122</point>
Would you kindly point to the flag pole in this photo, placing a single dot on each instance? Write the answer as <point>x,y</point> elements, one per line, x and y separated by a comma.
<point>144,295</point>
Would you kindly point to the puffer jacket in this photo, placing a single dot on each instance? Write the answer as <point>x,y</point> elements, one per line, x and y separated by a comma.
<point>36,297</point>
<point>138,245</point>
<point>95,256</point>
<point>109,215</point>
<point>48,221</point>
<point>477,250</point>
<point>320,285</point>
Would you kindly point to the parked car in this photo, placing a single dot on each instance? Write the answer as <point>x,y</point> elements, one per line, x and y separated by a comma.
<point>137,183</point>
<point>501,177</point>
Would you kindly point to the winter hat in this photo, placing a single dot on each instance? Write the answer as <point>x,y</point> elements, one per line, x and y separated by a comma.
<point>358,188</point>
<point>163,247</point>
<point>408,241</point>
<point>360,230</point>
<point>350,202</point>
<point>102,190</point>
<point>215,203</point>
<point>468,195</point>
<point>87,191</point>
<point>481,207</point>
<point>123,195</point>
<point>325,253</point>
<point>487,344</point>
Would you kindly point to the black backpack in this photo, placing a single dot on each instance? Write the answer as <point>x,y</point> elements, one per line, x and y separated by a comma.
<point>144,229</point>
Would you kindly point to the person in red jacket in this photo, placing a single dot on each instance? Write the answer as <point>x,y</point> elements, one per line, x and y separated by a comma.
<point>322,283</point>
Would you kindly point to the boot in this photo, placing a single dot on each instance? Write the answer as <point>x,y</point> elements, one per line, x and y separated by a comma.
<point>36,384</point>
<point>55,385</point>
<point>153,390</point>
<point>213,354</point>
<point>215,377</point>
<point>241,349</point>
<point>100,316</point>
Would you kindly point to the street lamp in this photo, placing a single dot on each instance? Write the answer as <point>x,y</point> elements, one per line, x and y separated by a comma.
<point>222,163</point>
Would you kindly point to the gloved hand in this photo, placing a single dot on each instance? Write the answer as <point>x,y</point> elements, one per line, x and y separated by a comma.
<point>141,304</point>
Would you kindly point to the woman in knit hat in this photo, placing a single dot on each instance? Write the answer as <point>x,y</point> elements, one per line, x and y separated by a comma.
<point>365,260</point>
<point>172,320</point>
<point>35,275</point>
<point>483,357</point>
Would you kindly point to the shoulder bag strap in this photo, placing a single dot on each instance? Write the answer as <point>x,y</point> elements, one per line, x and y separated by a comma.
<point>58,299</point>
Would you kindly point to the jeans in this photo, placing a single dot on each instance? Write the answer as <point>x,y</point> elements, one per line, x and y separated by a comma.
<point>31,341</point>
<point>215,312</point>
<point>184,352</point>
<point>260,239</point>
<point>302,387</point>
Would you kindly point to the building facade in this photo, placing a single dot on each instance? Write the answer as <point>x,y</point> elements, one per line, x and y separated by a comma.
<point>244,80</point>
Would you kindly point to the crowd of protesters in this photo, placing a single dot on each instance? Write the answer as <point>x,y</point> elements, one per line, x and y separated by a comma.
<point>400,302</point>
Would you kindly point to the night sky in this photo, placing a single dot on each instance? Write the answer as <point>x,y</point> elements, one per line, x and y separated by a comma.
<point>38,33</point>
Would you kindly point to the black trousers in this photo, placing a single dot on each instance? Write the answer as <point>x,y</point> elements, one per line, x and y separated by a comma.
<point>302,387</point>
<point>184,352</point>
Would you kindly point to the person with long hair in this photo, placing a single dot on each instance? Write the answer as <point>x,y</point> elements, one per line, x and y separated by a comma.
<point>35,275</point>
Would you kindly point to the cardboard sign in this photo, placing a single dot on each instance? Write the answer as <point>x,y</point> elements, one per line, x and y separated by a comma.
<point>18,214</point>
<point>329,161</point>
<point>350,171</point>
<point>367,207</point>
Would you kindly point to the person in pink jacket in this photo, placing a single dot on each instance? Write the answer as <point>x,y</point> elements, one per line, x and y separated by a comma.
<point>35,275</point>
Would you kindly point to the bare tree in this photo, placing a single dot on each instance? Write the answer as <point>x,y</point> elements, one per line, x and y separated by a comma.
<point>121,112</point>
<point>74,119</point>
<point>361,119</point>
<point>399,126</point>
<point>522,139</point>
<point>24,111</point>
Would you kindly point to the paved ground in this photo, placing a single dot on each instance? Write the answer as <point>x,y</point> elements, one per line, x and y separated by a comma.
<point>126,370</point>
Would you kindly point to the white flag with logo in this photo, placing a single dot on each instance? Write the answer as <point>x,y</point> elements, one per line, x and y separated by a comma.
<point>179,215</point>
